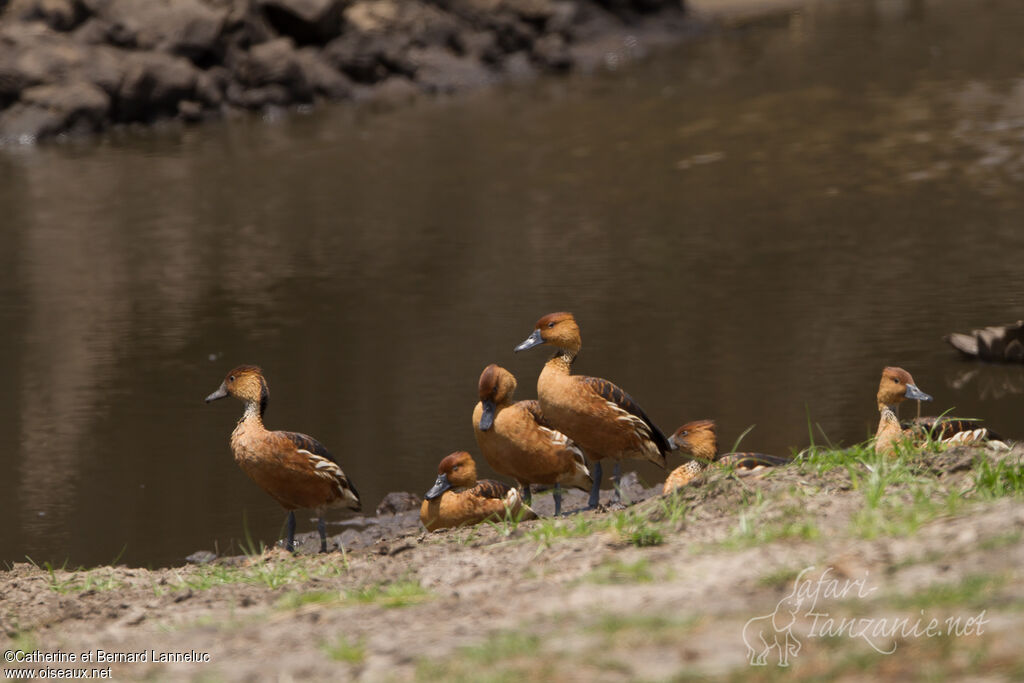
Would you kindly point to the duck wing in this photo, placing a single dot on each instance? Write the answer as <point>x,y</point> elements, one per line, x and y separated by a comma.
<point>320,457</point>
<point>994,343</point>
<point>488,488</point>
<point>619,398</point>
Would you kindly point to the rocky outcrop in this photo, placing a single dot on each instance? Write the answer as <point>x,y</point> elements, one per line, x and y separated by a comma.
<point>79,66</point>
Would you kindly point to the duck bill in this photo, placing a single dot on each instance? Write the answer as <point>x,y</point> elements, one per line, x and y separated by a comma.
<point>487,416</point>
<point>440,486</point>
<point>221,392</point>
<point>914,393</point>
<point>533,340</point>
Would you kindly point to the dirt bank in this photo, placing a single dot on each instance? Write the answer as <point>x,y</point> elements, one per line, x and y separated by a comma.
<point>79,66</point>
<point>666,588</point>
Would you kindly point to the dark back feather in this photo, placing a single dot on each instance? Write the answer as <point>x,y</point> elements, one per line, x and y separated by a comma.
<point>488,488</point>
<point>945,427</point>
<point>610,392</point>
<point>533,407</point>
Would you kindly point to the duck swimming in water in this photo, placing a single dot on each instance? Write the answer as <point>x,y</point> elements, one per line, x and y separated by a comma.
<point>458,499</point>
<point>294,469</point>
<point>518,442</point>
<point>699,439</point>
<point>598,416</point>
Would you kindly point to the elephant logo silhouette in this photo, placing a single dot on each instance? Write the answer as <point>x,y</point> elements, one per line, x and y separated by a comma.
<point>775,630</point>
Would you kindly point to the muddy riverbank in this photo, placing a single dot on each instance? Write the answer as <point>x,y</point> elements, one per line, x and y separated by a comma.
<point>661,589</point>
<point>80,66</point>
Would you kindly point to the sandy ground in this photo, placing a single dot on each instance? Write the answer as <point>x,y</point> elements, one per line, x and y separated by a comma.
<point>659,590</point>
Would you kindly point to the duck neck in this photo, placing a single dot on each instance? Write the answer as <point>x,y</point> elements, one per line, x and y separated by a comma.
<point>253,415</point>
<point>561,362</point>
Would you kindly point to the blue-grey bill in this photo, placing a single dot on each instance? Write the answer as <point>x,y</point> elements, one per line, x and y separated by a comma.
<point>439,487</point>
<point>914,393</point>
<point>533,340</point>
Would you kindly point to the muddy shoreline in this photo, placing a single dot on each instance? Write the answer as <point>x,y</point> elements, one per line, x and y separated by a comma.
<point>72,67</point>
<point>660,589</point>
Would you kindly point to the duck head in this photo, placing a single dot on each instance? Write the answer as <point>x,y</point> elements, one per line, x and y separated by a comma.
<point>897,386</point>
<point>246,383</point>
<point>456,471</point>
<point>495,388</point>
<point>557,329</point>
<point>697,438</point>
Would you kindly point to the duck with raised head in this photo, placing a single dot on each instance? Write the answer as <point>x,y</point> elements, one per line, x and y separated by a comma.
<point>294,469</point>
<point>896,386</point>
<point>600,417</point>
<point>699,439</point>
<point>518,442</point>
<point>457,498</point>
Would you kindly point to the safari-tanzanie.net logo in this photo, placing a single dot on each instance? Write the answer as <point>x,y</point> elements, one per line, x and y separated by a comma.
<point>800,611</point>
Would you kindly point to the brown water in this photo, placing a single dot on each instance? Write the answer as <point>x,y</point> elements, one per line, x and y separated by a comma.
<point>747,228</point>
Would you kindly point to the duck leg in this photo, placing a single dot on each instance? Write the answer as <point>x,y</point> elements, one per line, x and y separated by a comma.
<point>527,494</point>
<point>616,479</point>
<point>595,490</point>
<point>321,526</point>
<point>289,544</point>
<point>558,499</point>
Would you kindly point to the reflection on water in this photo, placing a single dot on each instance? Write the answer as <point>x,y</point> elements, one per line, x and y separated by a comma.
<point>747,228</point>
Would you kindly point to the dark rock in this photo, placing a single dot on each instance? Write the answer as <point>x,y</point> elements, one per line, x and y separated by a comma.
<point>198,557</point>
<point>305,21</point>
<point>189,28</point>
<point>439,70</point>
<point>211,85</point>
<point>325,80</point>
<point>46,110</point>
<point>394,91</point>
<point>93,31</point>
<point>369,58</point>
<point>261,98</point>
<point>552,53</point>
<point>60,15</point>
<point>191,111</point>
<point>419,23</point>
<point>481,45</point>
<point>275,64</point>
<point>397,502</point>
<point>153,85</point>
<point>26,124</point>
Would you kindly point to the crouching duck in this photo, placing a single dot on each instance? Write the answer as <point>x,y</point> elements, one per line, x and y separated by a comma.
<point>517,441</point>
<point>295,469</point>
<point>699,439</point>
<point>998,343</point>
<point>897,385</point>
<point>458,499</point>
<point>598,416</point>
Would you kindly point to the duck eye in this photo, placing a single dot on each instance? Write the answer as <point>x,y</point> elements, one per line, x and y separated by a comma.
<point>551,324</point>
<point>231,378</point>
<point>895,381</point>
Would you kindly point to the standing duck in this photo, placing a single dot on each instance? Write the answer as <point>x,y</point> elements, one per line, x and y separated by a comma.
<point>295,469</point>
<point>517,441</point>
<point>700,440</point>
<point>458,499</point>
<point>600,417</point>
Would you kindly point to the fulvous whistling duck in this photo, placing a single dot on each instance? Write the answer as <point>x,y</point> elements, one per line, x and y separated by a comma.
<point>517,441</point>
<point>1000,343</point>
<point>295,469</point>
<point>458,499</point>
<point>896,386</point>
<point>699,439</point>
<point>600,417</point>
